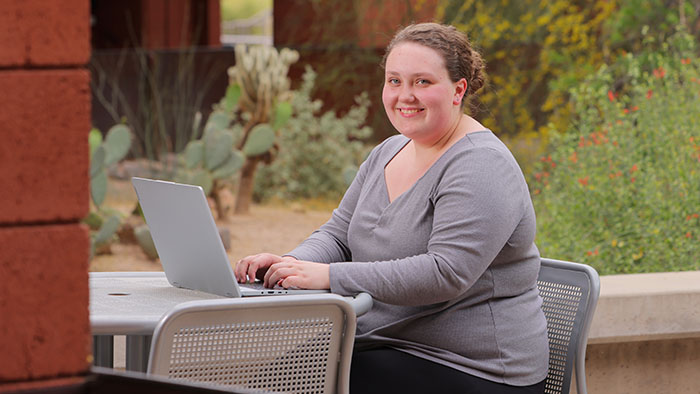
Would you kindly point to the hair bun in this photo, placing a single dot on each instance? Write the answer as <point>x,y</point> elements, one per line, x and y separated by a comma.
<point>477,78</point>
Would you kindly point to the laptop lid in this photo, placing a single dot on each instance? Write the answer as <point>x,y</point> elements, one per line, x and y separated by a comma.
<point>188,241</point>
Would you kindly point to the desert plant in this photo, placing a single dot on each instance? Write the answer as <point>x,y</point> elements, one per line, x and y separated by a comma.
<point>103,153</point>
<point>318,154</point>
<point>226,146</point>
<point>213,157</point>
<point>157,92</point>
<point>261,75</point>
<point>619,190</point>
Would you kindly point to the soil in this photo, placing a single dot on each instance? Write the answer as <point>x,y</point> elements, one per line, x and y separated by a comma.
<point>275,228</point>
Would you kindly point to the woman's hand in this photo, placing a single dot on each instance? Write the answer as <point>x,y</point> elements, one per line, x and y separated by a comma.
<point>290,272</point>
<point>255,266</point>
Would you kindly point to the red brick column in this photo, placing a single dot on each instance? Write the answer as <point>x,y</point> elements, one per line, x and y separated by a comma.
<point>44,122</point>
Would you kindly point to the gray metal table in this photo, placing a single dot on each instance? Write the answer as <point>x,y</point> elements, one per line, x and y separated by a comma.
<point>132,303</point>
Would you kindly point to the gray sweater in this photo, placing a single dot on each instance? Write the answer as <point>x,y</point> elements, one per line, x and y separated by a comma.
<point>451,263</point>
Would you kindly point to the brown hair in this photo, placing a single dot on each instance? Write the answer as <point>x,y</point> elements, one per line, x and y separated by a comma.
<point>461,60</point>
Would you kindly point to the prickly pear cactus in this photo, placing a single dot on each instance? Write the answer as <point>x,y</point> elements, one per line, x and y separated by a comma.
<point>260,140</point>
<point>213,157</point>
<point>115,147</point>
<point>103,153</point>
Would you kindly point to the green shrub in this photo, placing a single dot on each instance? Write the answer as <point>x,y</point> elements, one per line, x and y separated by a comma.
<point>318,154</point>
<point>621,188</point>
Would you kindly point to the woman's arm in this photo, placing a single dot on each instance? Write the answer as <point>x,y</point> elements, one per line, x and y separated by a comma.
<point>329,243</point>
<point>478,203</point>
<point>325,245</point>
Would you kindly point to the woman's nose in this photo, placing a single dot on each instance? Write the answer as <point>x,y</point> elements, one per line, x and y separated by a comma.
<point>406,94</point>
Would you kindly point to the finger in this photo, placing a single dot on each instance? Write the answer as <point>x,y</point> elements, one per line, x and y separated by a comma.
<point>242,266</point>
<point>252,269</point>
<point>240,270</point>
<point>279,274</point>
<point>292,282</point>
<point>270,271</point>
<point>256,263</point>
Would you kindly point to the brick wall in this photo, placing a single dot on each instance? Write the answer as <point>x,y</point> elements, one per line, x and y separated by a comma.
<point>44,122</point>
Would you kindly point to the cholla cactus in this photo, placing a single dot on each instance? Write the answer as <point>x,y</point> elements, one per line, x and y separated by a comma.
<point>261,73</point>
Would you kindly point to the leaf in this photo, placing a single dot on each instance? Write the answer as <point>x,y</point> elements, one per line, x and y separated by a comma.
<point>232,165</point>
<point>283,111</point>
<point>143,237</point>
<point>217,121</point>
<point>97,162</point>
<point>93,220</point>
<point>98,188</point>
<point>260,140</point>
<point>94,139</point>
<point>204,179</point>
<point>117,143</point>
<point>233,94</point>
<point>217,148</point>
<point>236,132</point>
<point>108,229</point>
<point>194,153</point>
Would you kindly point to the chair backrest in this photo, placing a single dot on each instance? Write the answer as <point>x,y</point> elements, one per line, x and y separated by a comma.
<point>291,344</point>
<point>570,293</point>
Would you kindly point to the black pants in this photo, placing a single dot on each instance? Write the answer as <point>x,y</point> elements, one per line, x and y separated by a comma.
<point>385,370</point>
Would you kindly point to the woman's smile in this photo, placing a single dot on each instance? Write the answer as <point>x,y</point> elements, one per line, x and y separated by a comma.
<point>418,95</point>
<point>410,112</point>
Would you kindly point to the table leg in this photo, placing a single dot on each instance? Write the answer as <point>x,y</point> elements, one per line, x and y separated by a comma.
<point>103,350</point>
<point>138,348</point>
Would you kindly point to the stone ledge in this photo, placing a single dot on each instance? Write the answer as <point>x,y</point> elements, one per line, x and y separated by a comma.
<point>643,307</point>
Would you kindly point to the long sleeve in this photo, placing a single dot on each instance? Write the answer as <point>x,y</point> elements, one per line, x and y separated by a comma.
<point>476,208</point>
<point>329,243</point>
<point>451,263</point>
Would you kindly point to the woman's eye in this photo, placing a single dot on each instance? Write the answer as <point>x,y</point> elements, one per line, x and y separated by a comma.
<point>393,81</point>
<point>423,82</point>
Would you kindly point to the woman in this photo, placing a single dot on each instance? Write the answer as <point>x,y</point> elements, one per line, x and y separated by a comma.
<point>438,227</point>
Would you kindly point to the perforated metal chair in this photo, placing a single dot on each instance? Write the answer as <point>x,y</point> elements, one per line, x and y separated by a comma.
<point>570,294</point>
<point>290,344</point>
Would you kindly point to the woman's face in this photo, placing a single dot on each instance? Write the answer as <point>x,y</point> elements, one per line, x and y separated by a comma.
<point>419,98</point>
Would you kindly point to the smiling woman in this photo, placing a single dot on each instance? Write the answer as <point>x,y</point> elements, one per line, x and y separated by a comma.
<point>418,95</point>
<point>439,229</point>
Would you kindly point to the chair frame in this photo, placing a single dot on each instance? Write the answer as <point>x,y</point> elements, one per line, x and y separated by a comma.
<point>585,277</point>
<point>262,309</point>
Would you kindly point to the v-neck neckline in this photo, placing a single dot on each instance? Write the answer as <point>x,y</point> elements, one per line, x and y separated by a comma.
<point>388,200</point>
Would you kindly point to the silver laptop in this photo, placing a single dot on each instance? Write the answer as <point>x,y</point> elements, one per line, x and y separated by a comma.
<point>188,241</point>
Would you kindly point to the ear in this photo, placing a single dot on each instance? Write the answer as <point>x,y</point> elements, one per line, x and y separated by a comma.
<point>460,89</point>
